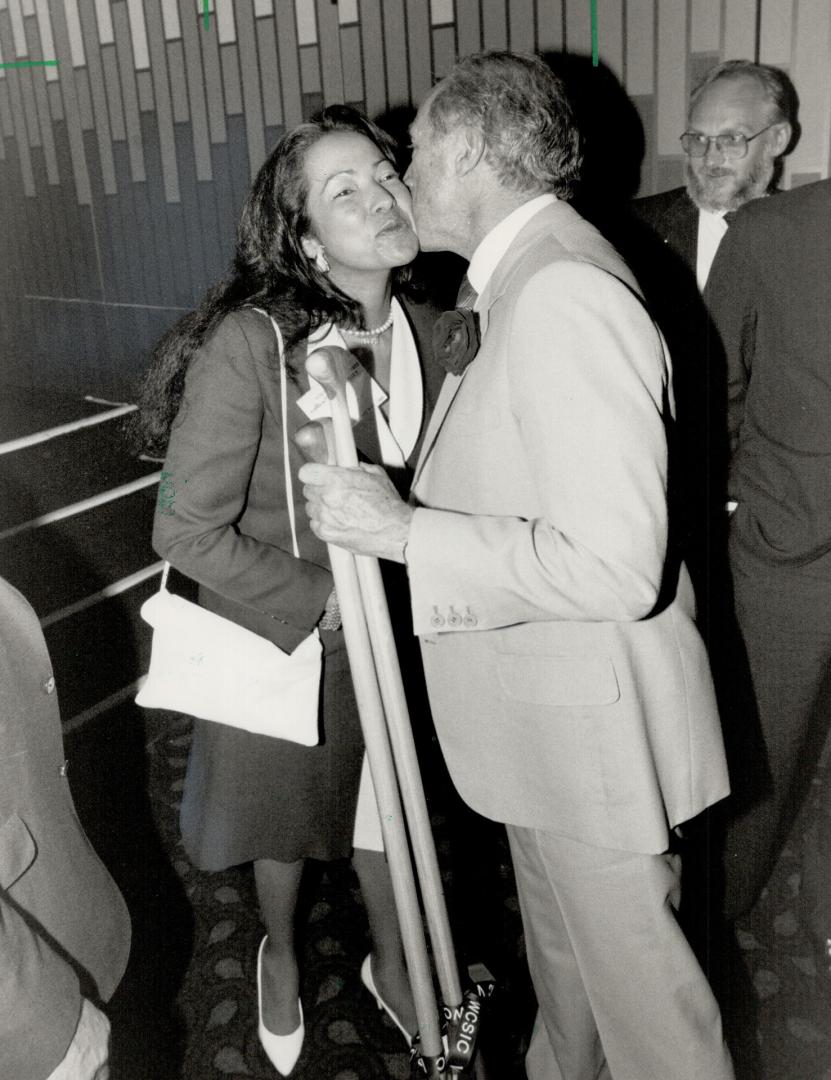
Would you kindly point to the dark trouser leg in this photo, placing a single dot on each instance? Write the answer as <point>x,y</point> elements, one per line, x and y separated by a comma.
<point>785,621</point>
<point>816,861</point>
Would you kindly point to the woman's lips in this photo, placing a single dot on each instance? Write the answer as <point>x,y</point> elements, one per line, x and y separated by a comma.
<point>393,226</point>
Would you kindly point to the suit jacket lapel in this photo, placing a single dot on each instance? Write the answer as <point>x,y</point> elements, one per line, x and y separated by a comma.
<point>448,392</point>
<point>548,221</point>
<point>680,228</point>
<point>421,317</point>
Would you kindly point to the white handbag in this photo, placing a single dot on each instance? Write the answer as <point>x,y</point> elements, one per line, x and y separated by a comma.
<point>212,668</point>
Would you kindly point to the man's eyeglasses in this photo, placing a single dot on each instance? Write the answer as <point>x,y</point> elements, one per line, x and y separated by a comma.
<point>732,144</point>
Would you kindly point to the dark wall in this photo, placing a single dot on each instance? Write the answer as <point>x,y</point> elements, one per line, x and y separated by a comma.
<point>124,164</point>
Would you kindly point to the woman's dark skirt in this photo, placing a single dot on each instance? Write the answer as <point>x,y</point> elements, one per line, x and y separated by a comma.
<point>253,797</point>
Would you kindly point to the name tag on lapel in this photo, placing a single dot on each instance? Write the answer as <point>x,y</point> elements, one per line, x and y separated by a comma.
<point>315,403</point>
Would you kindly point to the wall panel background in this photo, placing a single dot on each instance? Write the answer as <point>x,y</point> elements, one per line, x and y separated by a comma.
<point>123,167</point>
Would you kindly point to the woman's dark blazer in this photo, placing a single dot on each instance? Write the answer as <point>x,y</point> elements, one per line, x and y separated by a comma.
<point>222,517</point>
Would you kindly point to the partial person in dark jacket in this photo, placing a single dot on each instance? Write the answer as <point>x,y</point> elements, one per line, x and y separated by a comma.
<point>740,122</point>
<point>770,296</point>
<point>323,244</point>
<point>64,927</point>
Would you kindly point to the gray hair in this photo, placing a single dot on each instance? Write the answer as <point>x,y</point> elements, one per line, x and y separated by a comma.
<point>774,83</point>
<point>521,108</point>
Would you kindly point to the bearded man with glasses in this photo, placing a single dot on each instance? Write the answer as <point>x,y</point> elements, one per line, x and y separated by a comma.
<point>741,121</point>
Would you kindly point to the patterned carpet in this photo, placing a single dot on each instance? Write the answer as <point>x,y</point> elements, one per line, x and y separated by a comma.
<point>188,1007</point>
<point>345,1037</point>
<point>780,1012</point>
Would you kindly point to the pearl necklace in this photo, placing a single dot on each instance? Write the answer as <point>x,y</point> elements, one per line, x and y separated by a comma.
<point>372,336</point>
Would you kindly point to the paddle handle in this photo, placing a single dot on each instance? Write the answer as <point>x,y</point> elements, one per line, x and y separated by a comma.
<point>316,442</point>
<point>330,367</point>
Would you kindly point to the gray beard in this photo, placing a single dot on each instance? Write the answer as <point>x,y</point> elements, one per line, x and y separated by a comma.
<point>754,185</point>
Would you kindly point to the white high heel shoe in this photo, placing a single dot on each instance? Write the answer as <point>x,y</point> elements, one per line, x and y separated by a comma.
<point>281,1050</point>
<point>369,983</point>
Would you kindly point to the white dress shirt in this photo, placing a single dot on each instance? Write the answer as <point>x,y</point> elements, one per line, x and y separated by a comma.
<point>711,230</point>
<point>491,249</point>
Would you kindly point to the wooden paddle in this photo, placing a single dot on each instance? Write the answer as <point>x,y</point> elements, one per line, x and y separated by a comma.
<point>380,671</point>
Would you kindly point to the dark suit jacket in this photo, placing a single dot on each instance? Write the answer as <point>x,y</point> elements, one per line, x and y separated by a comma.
<point>225,521</point>
<point>59,908</point>
<point>660,242</point>
<point>673,217</point>
<point>770,296</point>
<point>661,248</point>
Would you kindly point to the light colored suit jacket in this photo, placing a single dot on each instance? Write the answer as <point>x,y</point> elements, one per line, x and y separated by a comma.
<point>570,688</point>
<point>59,908</point>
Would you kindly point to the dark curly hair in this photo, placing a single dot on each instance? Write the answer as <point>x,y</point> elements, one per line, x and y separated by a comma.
<point>270,270</point>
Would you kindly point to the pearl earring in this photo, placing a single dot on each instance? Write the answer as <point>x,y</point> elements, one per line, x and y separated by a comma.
<point>321,262</point>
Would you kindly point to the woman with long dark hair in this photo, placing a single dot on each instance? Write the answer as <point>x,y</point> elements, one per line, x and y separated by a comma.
<point>323,246</point>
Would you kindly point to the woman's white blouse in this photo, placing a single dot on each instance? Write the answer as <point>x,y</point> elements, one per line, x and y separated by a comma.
<point>398,431</point>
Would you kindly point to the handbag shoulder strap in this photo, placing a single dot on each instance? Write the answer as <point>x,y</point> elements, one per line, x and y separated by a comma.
<point>284,417</point>
<point>281,352</point>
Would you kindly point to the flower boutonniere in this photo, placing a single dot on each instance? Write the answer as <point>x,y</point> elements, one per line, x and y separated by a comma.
<point>456,339</point>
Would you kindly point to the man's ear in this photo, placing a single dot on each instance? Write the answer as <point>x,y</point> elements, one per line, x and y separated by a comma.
<point>782,135</point>
<point>469,149</point>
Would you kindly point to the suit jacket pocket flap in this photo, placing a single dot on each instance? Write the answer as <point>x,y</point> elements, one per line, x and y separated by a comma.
<point>558,681</point>
<point>17,850</point>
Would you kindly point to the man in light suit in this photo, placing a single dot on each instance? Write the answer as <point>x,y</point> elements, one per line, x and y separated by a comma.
<point>569,687</point>
<point>64,927</point>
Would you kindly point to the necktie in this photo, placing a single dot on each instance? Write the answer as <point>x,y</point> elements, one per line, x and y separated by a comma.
<point>729,217</point>
<point>467,295</point>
